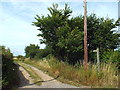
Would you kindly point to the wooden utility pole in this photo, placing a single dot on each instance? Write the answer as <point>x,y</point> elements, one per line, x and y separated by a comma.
<point>85,37</point>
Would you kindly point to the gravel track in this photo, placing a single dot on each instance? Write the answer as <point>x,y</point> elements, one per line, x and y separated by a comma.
<point>48,81</point>
<point>25,80</point>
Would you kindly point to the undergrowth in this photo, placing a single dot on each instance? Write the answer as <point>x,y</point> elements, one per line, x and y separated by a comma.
<point>106,78</point>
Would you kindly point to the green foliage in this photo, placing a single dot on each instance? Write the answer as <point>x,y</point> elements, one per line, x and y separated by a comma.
<point>6,51</point>
<point>20,57</point>
<point>100,33</point>
<point>31,50</point>
<point>70,43</point>
<point>57,33</point>
<point>9,69</point>
<point>111,56</point>
<point>34,52</point>
<point>42,53</point>
<point>64,35</point>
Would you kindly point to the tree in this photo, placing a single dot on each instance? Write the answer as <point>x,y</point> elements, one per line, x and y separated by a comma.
<point>6,51</point>
<point>20,57</point>
<point>101,35</point>
<point>42,53</point>
<point>64,35</point>
<point>31,50</point>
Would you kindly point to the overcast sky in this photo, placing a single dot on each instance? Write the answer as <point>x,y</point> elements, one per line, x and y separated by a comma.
<point>16,18</point>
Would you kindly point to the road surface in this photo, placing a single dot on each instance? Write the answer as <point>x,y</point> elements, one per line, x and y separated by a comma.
<point>48,81</point>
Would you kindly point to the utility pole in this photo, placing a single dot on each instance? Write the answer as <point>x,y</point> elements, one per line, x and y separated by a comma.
<point>85,37</point>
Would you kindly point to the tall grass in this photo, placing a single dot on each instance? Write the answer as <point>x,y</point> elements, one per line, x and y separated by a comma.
<point>107,77</point>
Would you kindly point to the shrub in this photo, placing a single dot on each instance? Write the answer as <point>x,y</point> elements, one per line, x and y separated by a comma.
<point>111,56</point>
<point>9,70</point>
<point>42,53</point>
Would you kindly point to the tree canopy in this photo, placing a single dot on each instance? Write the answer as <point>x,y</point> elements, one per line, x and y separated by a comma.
<point>64,35</point>
<point>31,50</point>
<point>34,52</point>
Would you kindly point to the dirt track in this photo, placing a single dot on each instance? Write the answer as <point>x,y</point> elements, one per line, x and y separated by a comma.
<point>48,81</point>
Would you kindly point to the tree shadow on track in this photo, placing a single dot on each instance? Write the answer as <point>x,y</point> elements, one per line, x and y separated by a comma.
<point>45,81</point>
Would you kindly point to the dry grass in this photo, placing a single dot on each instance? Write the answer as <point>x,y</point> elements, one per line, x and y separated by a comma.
<point>107,77</point>
<point>42,63</point>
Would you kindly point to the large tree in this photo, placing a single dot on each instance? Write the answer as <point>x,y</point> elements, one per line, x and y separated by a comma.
<point>64,35</point>
<point>31,50</point>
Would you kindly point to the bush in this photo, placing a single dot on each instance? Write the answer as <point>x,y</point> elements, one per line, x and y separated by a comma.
<point>111,56</point>
<point>42,53</point>
<point>9,70</point>
<point>9,73</point>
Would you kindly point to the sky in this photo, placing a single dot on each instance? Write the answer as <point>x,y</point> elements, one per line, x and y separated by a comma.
<point>17,31</point>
